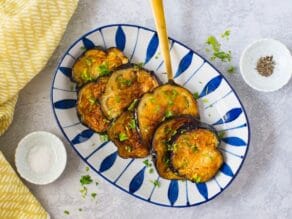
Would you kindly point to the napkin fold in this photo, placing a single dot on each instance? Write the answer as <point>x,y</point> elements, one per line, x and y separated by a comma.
<point>30,30</point>
<point>16,201</point>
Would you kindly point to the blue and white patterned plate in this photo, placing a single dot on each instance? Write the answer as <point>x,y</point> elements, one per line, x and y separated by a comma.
<point>218,103</point>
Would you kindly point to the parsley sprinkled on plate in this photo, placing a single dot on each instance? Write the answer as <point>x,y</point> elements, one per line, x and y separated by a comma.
<point>123,137</point>
<point>85,180</point>
<point>66,212</point>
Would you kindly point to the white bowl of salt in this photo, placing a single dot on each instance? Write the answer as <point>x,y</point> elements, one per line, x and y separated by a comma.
<point>40,157</point>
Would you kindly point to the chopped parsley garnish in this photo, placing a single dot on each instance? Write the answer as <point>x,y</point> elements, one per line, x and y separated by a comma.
<point>123,81</point>
<point>86,169</point>
<point>93,195</point>
<point>103,137</point>
<point>132,124</point>
<point>79,209</point>
<point>194,148</point>
<point>123,137</point>
<point>103,69</point>
<point>166,160</point>
<point>92,100</point>
<point>156,183</point>
<point>231,69</point>
<point>85,180</point>
<point>85,76</point>
<point>66,212</point>
<point>221,134</point>
<point>197,179</point>
<point>117,99</point>
<point>128,148</point>
<point>205,100</point>
<point>83,48</point>
<point>83,192</point>
<point>88,61</point>
<point>133,105</point>
<point>151,170</point>
<point>168,114</point>
<point>139,65</point>
<point>147,163</point>
<point>152,99</point>
<point>226,34</point>
<point>196,95</point>
<point>216,49</point>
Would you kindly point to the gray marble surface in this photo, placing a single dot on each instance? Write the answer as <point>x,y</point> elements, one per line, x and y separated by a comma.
<point>263,188</point>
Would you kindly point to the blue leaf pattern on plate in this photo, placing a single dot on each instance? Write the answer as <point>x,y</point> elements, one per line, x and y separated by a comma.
<point>203,189</point>
<point>108,162</point>
<point>211,86</point>
<point>137,181</point>
<point>88,44</point>
<point>66,71</point>
<point>234,141</point>
<point>152,47</point>
<point>226,170</point>
<point>82,137</point>
<point>185,62</point>
<point>120,38</point>
<point>65,104</point>
<point>229,116</point>
<point>173,191</point>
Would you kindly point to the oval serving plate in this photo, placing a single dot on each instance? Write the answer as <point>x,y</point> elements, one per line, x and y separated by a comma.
<point>218,102</point>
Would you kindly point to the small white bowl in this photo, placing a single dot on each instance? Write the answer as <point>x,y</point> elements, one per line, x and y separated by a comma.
<point>40,157</point>
<point>283,65</point>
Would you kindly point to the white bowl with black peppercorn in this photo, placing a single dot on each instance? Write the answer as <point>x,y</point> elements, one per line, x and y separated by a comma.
<point>266,65</point>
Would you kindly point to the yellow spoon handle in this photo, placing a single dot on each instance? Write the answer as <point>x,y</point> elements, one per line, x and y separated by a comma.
<point>158,12</point>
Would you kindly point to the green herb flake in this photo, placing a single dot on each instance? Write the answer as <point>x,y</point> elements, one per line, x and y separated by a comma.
<point>123,137</point>
<point>103,69</point>
<point>226,34</point>
<point>128,148</point>
<point>132,124</point>
<point>93,195</point>
<point>96,183</point>
<point>194,148</point>
<point>86,169</point>
<point>196,95</point>
<point>197,179</point>
<point>156,183</point>
<point>147,163</point>
<point>117,99</point>
<point>205,100</point>
<point>166,160</point>
<point>231,69</point>
<point>83,48</point>
<point>151,170</point>
<point>133,105</point>
<point>221,134</point>
<point>92,100</point>
<point>66,212</point>
<point>168,114</point>
<point>85,76</point>
<point>139,65</point>
<point>88,61</point>
<point>103,137</point>
<point>79,209</point>
<point>85,180</point>
<point>213,42</point>
<point>83,191</point>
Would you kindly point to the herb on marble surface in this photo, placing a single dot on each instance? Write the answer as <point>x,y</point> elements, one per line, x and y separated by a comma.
<point>80,209</point>
<point>96,183</point>
<point>83,191</point>
<point>151,170</point>
<point>231,69</point>
<point>66,212</point>
<point>214,46</point>
<point>93,195</point>
<point>85,180</point>
<point>86,169</point>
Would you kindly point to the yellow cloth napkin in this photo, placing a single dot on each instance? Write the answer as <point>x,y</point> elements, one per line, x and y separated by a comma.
<point>30,30</point>
<point>16,201</point>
